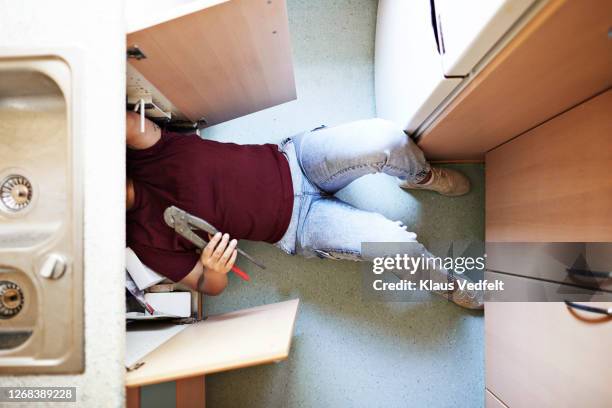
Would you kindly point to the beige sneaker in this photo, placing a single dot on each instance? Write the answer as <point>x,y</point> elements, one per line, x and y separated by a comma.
<point>469,299</point>
<point>445,181</point>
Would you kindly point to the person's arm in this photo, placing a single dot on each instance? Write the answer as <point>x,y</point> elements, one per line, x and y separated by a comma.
<point>209,275</point>
<point>134,138</point>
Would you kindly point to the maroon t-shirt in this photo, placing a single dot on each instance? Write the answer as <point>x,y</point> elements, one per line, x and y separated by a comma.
<point>243,190</point>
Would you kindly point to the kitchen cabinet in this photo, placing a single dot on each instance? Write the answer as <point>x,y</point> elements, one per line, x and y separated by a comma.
<point>425,51</point>
<point>211,61</point>
<point>207,62</point>
<point>492,402</point>
<point>546,355</point>
<point>553,184</point>
<point>519,287</point>
<point>467,30</point>
<point>559,58</point>
<point>409,79</point>
<point>228,341</point>
<point>583,264</point>
<point>549,192</point>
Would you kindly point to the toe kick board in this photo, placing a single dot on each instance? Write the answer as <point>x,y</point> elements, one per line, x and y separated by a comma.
<point>223,342</point>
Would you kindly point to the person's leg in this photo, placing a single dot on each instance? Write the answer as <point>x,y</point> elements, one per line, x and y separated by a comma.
<point>334,229</point>
<point>334,157</point>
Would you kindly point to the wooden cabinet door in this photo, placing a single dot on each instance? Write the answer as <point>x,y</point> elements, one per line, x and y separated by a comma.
<point>544,355</point>
<point>228,341</point>
<point>551,184</point>
<point>493,402</point>
<point>554,183</point>
<point>559,59</point>
<point>220,62</point>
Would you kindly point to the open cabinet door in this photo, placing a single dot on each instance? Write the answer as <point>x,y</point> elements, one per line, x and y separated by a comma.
<point>160,352</point>
<point>242,338</point>
<point>220,60</point>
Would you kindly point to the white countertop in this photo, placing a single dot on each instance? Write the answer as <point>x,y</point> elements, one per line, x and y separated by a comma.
<point>94,32</point>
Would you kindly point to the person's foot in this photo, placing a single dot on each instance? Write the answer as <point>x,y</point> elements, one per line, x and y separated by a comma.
<point>444,181</point>
<point>469,299</point>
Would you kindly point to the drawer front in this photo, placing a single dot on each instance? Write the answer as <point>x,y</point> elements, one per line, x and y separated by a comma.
<point>553,183</point>
<point>521,289</point>
<point>545,355</point>
<point>587,265</point>
<point>492,402</point>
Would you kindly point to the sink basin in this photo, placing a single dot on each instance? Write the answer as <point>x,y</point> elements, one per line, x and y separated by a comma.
<point>41,260</point>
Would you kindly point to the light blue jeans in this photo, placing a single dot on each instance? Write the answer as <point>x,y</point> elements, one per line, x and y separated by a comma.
<point>325,160</point>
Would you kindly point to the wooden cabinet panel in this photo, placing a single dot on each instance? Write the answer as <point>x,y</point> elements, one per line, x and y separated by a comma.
<point>559,59</point>
<point>492,402</point>
<point>554,183</point>
<point>542,355</point>
<point>222,62</point>
<point>228,341</point>
<point>518,288</point>
<point>586,265</point>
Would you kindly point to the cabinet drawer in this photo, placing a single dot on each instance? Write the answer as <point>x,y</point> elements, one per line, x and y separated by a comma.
<point>523,289</point>
<point>492,402</point>
<point>553,183</point>
<point>586,265</point>
<point>544,355</point>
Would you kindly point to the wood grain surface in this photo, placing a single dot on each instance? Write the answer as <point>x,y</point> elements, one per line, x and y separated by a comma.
<point>559,59</point>
<point>222,62</point>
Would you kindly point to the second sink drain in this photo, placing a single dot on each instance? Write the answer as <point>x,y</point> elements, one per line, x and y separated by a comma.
<point>16,193</point>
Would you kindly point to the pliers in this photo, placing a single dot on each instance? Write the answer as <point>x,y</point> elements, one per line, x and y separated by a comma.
<point>184,224</point>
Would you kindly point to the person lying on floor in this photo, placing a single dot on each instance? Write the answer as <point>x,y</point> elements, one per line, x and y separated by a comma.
<point>280,194</point>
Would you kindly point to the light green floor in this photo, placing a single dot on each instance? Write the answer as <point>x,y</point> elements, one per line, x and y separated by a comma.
<point>347,352</point>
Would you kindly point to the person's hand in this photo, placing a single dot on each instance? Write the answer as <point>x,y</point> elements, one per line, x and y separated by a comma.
<point>219,254</point>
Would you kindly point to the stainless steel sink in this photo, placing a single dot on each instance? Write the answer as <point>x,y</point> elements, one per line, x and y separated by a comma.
<point>41,259</point>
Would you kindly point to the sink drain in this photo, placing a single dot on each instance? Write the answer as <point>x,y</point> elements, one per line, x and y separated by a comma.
<point>11,299</point>
<point>16,193</point>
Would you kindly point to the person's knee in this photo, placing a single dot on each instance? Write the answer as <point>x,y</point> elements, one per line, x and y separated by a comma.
<point>386,133</point>
<point>394,231</point>
<point>383,126</point>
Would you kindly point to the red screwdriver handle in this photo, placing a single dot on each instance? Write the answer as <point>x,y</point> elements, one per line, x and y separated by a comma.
<point>241,273</point>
